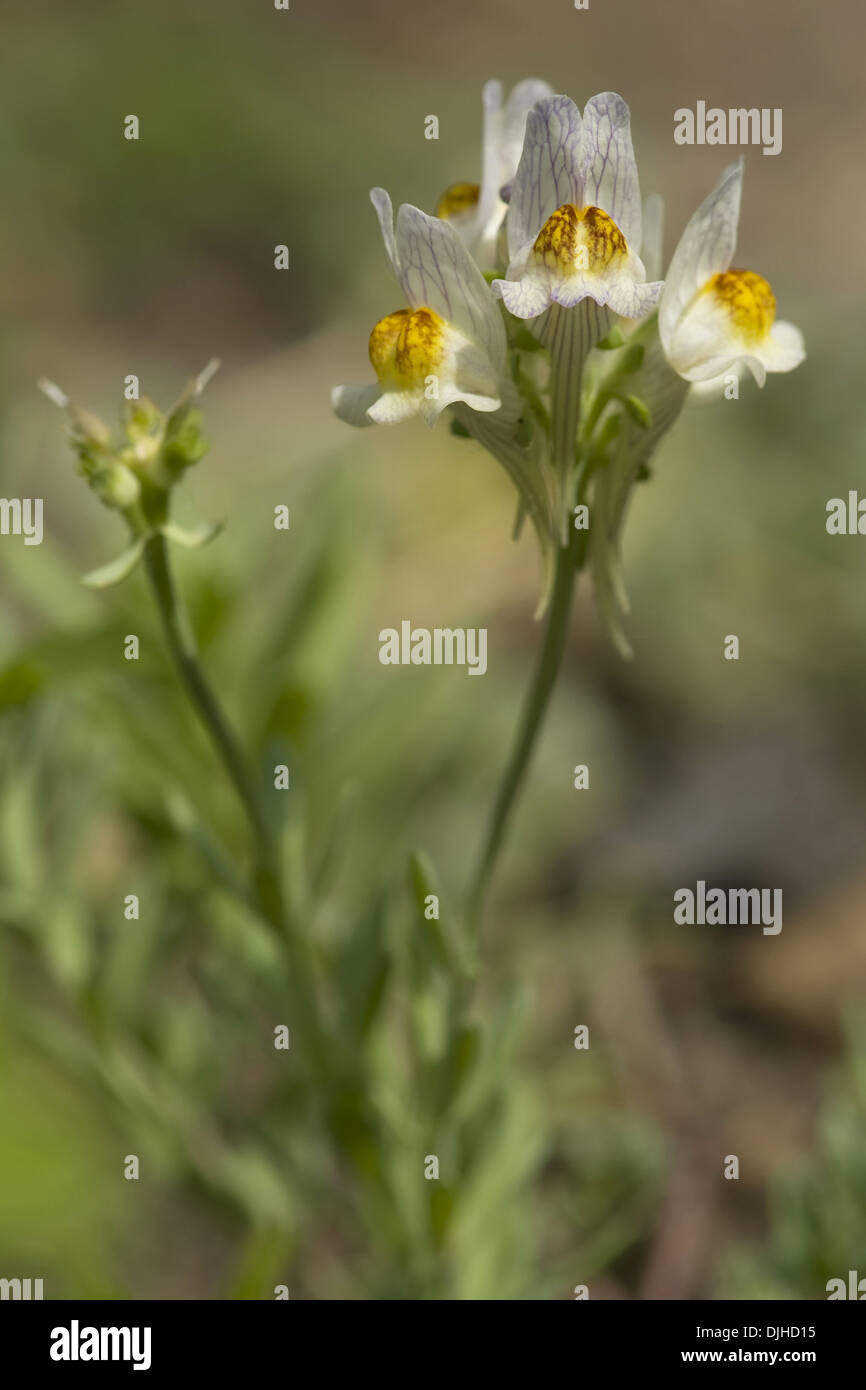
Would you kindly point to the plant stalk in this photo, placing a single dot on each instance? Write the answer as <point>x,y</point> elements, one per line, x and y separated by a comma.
<point>268,895</point>
<point>569,561</point>
<point>182,647</point>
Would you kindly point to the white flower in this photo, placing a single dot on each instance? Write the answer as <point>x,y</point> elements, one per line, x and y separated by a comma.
<point>574,219</point>
<point>477,210</point>
<point>714,319</point>
<point>447,346</point>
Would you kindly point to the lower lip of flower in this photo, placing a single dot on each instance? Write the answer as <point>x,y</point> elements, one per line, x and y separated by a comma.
<point>748,301</point>
<point>406,347</point>
<point>579,239</point>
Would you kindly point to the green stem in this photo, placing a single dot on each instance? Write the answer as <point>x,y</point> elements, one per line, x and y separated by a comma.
<point>569,560</point>
<point>568,337</point>
<point>182,646</point>
<point>268,895</point>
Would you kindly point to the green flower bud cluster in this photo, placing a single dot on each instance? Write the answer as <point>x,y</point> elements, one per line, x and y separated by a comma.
<point>134,471</point>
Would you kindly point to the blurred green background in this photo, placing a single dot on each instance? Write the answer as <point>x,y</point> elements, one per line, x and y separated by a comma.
<point>260,127</point>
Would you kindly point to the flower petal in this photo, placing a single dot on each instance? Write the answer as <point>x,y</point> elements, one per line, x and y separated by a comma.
<point>531,286</point>
<point>351,403</point>
<point>527,297</point>
<point>520,102</point>
<point>547,175</point>
<point>707,340</point>
<point>723,363</point>
<point>755,365</point>
<point>393,407</point>
<point>608,171</point>
<point>504,131</point>
<point>704,343</point>
<point>473,375</point>
<point>438,273</point>
<point>706,247</point>
<point>784,350</point>
<point>624,292</point>
<point>705,392</point>
<point>382,203</point>
<point>491,180</point>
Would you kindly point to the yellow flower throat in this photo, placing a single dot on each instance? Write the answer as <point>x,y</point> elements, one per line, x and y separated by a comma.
<point>575,239</point>
<point>406,347</point>
<point>748,300</point>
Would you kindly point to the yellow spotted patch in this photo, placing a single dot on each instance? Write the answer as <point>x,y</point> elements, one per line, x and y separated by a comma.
<point>406,347</point>
<point>575,239</point>
<point>747,298</point>
<point>459,198</point>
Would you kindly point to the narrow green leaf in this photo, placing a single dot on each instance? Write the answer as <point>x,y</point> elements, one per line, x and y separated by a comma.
<point>424,887</point>
<point>116,570</point>
<point>192,537</point>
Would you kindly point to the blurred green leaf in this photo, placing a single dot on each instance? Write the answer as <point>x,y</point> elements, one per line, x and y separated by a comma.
<point>19,682</point>
<point>115,571</point>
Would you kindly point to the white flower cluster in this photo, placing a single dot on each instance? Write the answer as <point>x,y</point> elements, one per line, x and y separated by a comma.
<point>535,315</point>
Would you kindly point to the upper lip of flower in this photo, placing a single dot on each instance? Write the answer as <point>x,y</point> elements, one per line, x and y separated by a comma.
<point>461,339</point>
<point>576,189</point>
<point>478,221</point>
<point>711,316</point>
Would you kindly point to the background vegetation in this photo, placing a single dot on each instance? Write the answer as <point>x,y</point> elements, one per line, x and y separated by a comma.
<point>602,1167</point>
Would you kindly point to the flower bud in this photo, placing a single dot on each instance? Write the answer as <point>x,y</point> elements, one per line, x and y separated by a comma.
<point>638,411</point>
<point>142,420</point>
<point>135,473</point>
<point>88,431</point>
<point>116,486</point>
<point>183,444</point>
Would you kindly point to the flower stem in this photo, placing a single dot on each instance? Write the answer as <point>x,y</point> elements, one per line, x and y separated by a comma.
<point>569,560</point>
<point>268,896</point>
<point>182,647</point>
